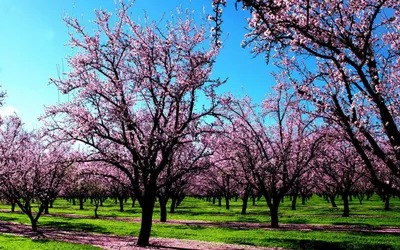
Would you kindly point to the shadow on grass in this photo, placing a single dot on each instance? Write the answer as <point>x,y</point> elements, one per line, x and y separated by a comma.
<point>296,221</point>
<point>250,220</point>
<point>187,226</point>
<point>359,224</point>
<point>4,218</point>
<point>316,244</point>
<point>208,213</point>
<point>75,226</point>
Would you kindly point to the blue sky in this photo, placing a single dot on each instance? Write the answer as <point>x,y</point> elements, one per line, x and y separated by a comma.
<point>34,37</point>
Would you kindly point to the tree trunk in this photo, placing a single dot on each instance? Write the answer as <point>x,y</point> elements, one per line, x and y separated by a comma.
<point>73,201</point>
<point>80,203</point>
<point>254,200</point>
<point>95,209</point>
<point>163,210</point>
<point>274,216</point>
<point>332,199</point>
<point>179,200</point>
<point>227,202</point>
<point>46,208</point>
<point>273,205</point>
<point>219,201</point>
<point>387,208</point>
<point>173,204</point>
<point>34,224</point>
<point>213,200</point>
<point>294,199</point>
<point>147,216</point>
<point>303,200</point>
<point>12,206</point>
<point>133,201</point>
<point>346,205</point>
<point>51,204</point>
<point>121,204</point>
<point>244,205</point>
<point>101,202</point>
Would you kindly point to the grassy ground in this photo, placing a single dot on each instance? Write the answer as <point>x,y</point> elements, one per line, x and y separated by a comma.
<point>22,243</point>
<point>316,211</point>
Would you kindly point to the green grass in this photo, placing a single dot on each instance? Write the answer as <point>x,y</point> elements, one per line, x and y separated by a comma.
<point>259,237</point>
<point>316,211</point>
<point>22,243</point>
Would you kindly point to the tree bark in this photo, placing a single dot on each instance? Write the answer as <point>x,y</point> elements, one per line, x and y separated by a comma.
<point>332,199</point>
<point>387,208</point>
<point>80,203</point>
<point>346,211</point>
<point>95,210</point>
<point>34,224</point>
<point>121,204</point>
<point>147,216</point>
<point>133,201</point>
<point>274,216</point>
<point>46,208</point>
<point>244,205</point>
<point>227,202</point>
<point>163,210</point>
<point>294,199</point>
<point>273,204</point>
<point>173,204</point>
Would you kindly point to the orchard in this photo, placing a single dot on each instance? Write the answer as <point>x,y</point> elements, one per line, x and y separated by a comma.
<point>152,150</point>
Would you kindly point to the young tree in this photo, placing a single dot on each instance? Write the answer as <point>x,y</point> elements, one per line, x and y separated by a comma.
<point>187,160</point>
<point>340,168</point>
<point>304,187</point>
<point>32,168</point>
<point>274,145</point>
<point>136,90</point>
<point>344,57</point>
<point>97,189</point>
<point>226,177</point>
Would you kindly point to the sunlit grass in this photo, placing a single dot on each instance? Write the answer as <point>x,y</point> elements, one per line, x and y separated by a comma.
<point>316,211</point>
<point>270,238</point>
<point>23,243</point>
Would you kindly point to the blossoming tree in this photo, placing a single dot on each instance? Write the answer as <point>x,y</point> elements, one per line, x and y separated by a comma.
<point>32,167</point>
<point>344,57</point>
<point>136,88</point>
<point>274,145</point>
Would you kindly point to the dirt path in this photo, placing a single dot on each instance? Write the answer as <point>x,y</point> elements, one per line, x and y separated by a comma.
<point>247,225</point>
<point>113,242</point>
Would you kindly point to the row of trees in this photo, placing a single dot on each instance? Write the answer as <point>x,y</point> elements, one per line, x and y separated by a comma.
<point>144,106</point>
